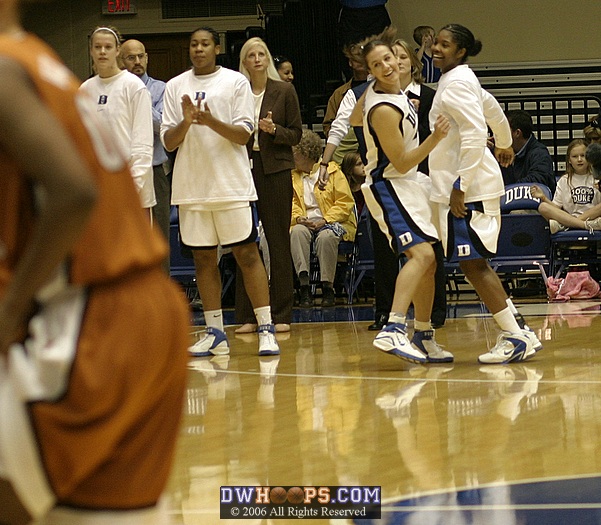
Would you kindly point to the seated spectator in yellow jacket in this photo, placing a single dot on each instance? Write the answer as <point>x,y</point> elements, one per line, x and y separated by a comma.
<point>323,216</point>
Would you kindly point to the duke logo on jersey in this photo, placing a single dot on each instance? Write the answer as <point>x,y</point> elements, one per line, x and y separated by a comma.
<point>411,114</point>
<point>463,250</point>
<point>102,100</point>
<point>406,238</point>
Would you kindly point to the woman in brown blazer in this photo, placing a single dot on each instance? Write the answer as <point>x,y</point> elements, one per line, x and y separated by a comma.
<point>278,127</point>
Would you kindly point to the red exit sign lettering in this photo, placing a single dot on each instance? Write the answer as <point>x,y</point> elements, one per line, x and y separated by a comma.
<point>119,7</point>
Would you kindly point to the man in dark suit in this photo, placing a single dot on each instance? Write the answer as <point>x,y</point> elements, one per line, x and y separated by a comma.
<point>532,162</point>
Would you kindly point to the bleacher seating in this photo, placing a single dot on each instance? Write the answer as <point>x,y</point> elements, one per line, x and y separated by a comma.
<point>560,96</point>
<point>361,258</point>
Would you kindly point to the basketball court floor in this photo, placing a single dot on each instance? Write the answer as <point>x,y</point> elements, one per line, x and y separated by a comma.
<point>452,444</point>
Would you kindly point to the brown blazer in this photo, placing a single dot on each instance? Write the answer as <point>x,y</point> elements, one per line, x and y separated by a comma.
<point>276,150</point>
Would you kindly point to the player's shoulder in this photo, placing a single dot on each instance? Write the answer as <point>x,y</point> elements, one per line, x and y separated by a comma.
<point>230,74</point>
<point>132,81</point>
<point>178,79</point>
<point>14,78</point>
<point>9,66</point>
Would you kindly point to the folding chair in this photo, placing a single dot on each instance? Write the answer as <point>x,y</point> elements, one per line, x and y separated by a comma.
<point>524,240</point>
<point>361,258</point>
<point>573,247</point>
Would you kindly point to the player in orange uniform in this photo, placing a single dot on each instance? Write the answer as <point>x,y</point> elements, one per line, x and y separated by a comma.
<point>93,335</point>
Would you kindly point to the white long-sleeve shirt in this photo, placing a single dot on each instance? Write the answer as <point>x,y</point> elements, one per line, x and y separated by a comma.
<point>342,123</point>
<point>462,158</point>
<point>124,103</point>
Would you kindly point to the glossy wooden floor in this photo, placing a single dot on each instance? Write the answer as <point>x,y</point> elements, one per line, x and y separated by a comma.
<point>332,410</point>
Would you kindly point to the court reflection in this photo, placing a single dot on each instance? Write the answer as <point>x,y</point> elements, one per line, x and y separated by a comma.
<point>453,443</point>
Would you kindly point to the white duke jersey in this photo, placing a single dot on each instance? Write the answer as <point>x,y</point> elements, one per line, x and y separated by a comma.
<point>397,201</point>
<point>378,165</point>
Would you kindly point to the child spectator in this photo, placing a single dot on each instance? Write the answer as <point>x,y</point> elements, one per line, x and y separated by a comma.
<point>591,131</point>
<point>354,171</point>
<point>577,201</point>
<point>424,38</point>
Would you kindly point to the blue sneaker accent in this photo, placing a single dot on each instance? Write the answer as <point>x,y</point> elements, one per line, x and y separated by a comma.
<point>534,341</point>
<point>425,342</point>
<point>213,343</point>
<point>393,339</point>
<point>510,348</point>
<point>267,342</point>
<point>520,350</point>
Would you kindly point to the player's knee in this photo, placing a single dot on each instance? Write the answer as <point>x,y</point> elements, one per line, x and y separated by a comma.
<point>424,254</point>
<point>247,256</point>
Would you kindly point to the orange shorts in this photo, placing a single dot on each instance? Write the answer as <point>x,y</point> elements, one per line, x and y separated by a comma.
<point>109,441</point>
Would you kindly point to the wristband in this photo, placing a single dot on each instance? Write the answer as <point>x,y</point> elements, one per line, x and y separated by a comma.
<point>323,164</point>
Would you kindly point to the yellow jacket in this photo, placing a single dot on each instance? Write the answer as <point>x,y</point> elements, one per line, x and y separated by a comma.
<point>335,201</point>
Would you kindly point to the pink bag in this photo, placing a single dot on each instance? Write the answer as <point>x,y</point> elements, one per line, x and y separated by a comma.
<point>575,285</point>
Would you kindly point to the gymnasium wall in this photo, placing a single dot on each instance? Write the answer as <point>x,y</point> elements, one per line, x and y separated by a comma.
<point>511,30</point>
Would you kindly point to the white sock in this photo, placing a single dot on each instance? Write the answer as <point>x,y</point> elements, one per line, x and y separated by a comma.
<point>422,326</point>
<point>263,315</point>
<point>214,318</point>
<point>507,321</point>
<point>518,316</point>
<point>397,318</point>
<point>511,306</point>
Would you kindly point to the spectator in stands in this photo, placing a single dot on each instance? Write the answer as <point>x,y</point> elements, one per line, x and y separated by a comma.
<point>577,200</point>
<point>424,38</point>
<point>592,131</point>
<point>323,216</point>
<point>341,139</point>
<point>284,68</point>
<point>532,162</point>
<point>124,104</point>
<point>354,171</point>
<point>412,84</point>
<point>278,127</point>
<point>359,19</point>
<point>135,60</point>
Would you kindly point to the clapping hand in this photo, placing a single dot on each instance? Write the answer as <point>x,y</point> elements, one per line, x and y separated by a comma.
<point>267,125</point>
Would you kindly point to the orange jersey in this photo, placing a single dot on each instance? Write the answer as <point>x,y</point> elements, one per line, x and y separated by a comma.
<point>107,443</point>
<point>118,238</point>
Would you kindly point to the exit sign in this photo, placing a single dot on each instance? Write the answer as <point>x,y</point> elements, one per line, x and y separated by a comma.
<point>119,7</point>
